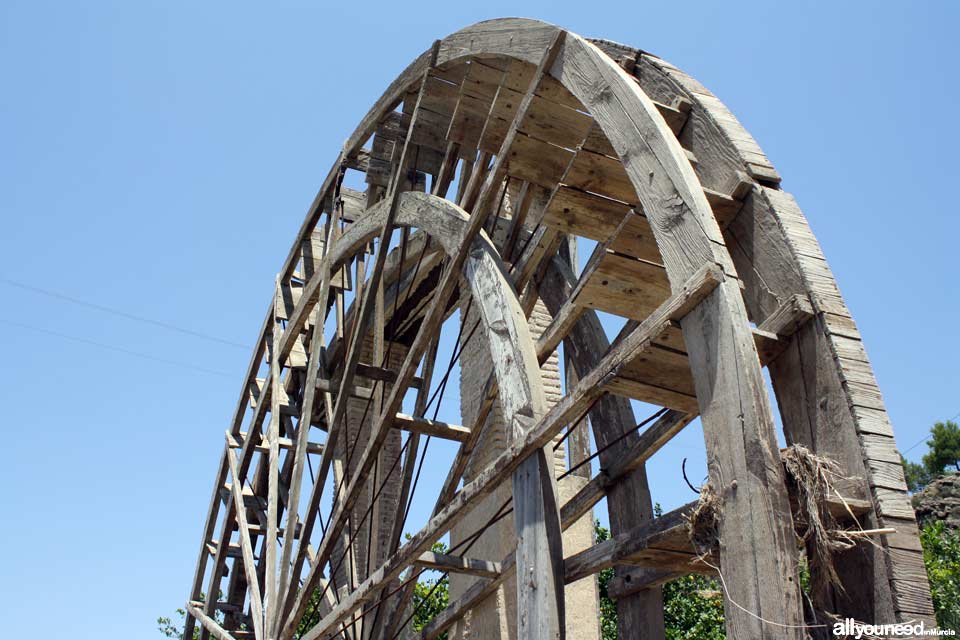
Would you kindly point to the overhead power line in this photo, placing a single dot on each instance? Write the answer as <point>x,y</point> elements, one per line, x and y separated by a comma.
<point>121,313</point>
<point>111,347</point>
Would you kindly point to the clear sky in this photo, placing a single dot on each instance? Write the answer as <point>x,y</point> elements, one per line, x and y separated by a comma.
<point>158,158</point>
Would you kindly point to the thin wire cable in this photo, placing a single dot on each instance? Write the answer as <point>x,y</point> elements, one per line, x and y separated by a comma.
<point>120,313</point>
<point>472,539</point>
<point>110,347</point>
<point>612,442</point>
<point>924,438</point>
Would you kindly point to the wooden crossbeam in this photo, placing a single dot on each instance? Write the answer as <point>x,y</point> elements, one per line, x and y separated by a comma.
<point>473,596</point>
<point>236,442</point>
<point>434,428</point>
<point>623,548</point>
<point>570,312</point>
<point>459,564</point>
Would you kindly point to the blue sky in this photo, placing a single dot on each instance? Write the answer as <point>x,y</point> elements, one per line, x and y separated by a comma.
<point>158,158</point>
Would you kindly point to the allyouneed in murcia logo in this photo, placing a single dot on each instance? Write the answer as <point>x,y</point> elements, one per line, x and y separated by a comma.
<point>853,629</point>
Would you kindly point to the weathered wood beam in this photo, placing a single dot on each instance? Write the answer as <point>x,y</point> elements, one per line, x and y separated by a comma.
<point>273,472</point>
<point>621,548</point>
<point>288,579</point>
<point>459,564</point>
<point>434,428</point>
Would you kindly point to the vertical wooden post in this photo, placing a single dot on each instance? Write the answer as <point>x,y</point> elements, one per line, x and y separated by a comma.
<point>758,554</point>
<point>540,610</point>
<point>273,477</point>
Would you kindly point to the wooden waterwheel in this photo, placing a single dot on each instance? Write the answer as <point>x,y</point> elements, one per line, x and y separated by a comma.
<point>484,163</point>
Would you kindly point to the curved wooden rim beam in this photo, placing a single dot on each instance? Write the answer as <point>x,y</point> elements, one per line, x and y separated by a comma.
<point>504,323</point>
<point>828,397</point>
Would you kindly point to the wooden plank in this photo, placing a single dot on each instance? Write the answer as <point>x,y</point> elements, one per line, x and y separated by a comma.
<point>538,162</point>
<point>433,428</point>
<point>625,547</point>
<point>602,175</point>
<point>473,596</point>
<point>786,319</point>
<point>459,564</point>
<point>624,286</point>
<point>592,216</point>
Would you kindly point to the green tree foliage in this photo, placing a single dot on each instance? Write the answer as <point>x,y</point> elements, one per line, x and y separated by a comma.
<point>943,450</point>
<point>693,609</point>
<point>916,475</point>
<point>431,596</point>
<point>944,446</point>
<point>171,629</point>
<point>941,555</point>
<point>692,604</point>
<point>608,608</point>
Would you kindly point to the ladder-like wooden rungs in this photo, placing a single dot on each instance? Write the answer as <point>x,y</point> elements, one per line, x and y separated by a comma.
<point>256,392</point>
<point>236,442</point>
<point>250,500</point>
<point>232,551</point>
